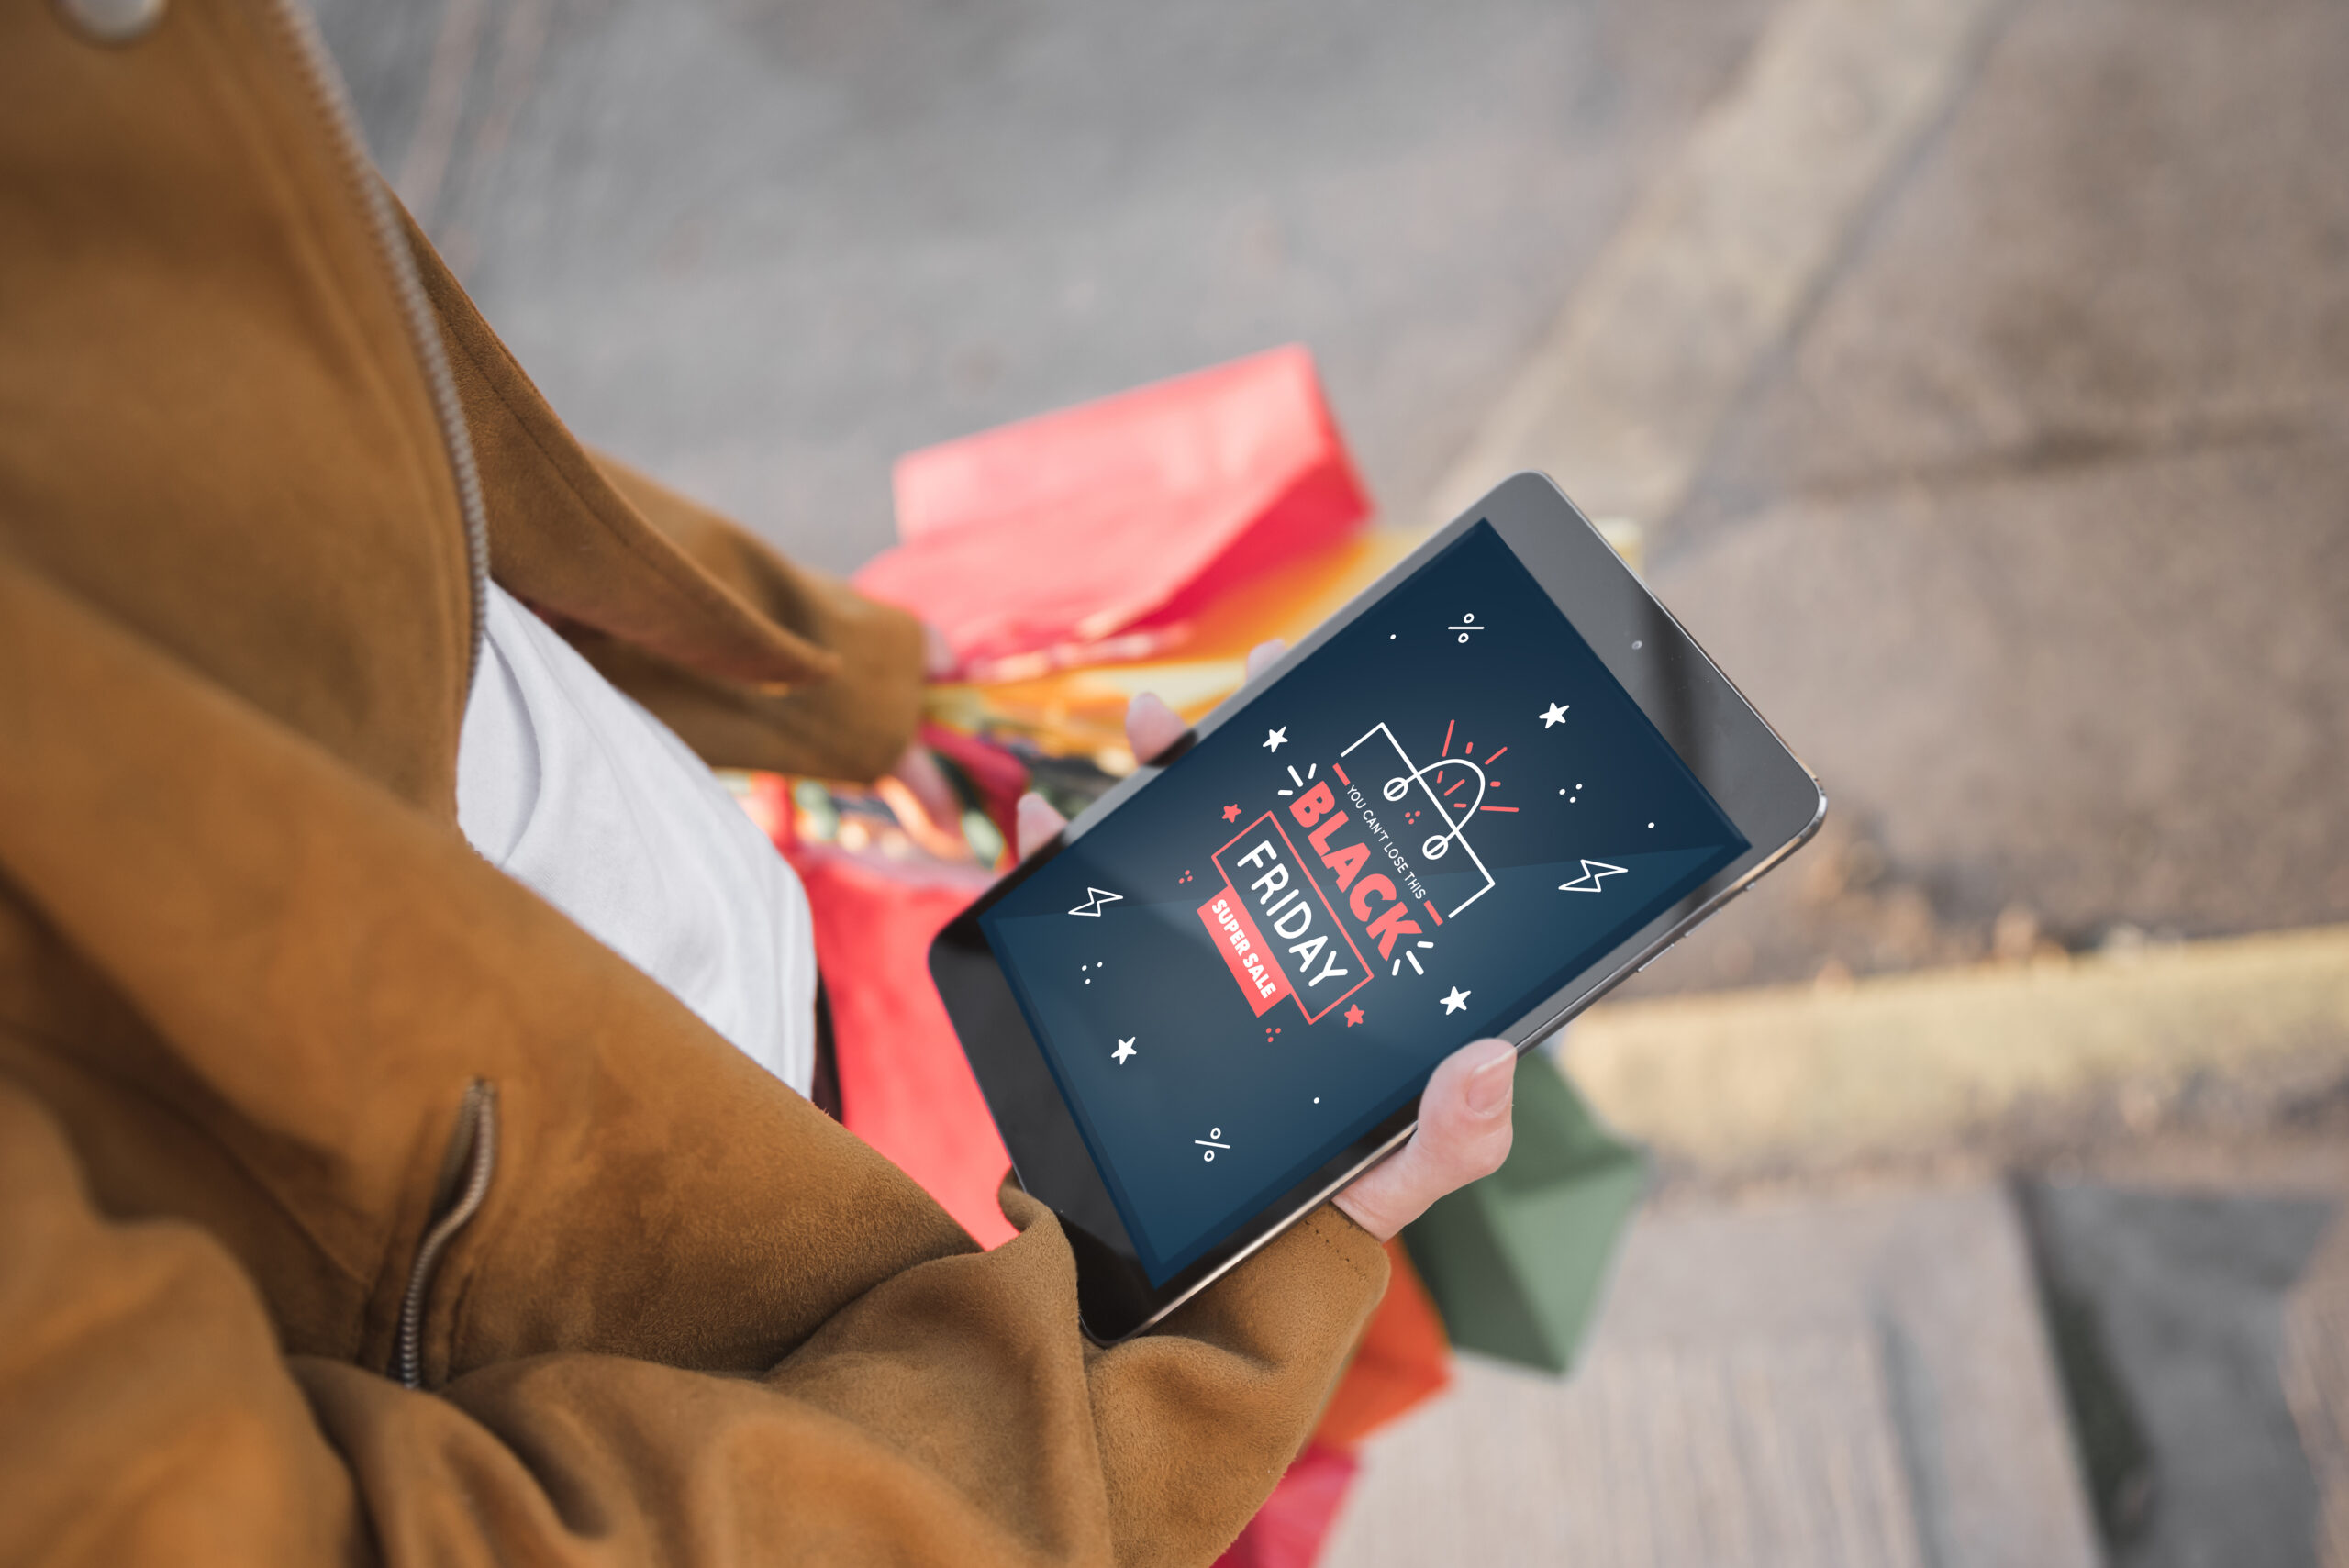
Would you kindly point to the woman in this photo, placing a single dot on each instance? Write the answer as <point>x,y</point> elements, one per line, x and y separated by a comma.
<point>355,1200</point>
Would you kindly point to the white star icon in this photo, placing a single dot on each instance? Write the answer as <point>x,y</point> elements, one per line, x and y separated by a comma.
<point>1125,1049</point>
<point>1276,738</point>
<point>1455,1002</point>
<point>1555,715</point>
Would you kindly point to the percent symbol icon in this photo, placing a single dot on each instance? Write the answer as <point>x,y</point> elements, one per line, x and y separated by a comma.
<point>1467,624</point>
<point>1211,1148</point>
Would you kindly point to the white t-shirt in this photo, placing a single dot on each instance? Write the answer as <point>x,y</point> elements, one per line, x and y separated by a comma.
<point>569,786</point>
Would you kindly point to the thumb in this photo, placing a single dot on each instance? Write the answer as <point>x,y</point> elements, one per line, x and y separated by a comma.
<point>1463,1135</point>
<point>1036,822</point>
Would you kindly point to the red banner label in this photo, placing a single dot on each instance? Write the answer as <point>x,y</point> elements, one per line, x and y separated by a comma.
<point>1242,946</point>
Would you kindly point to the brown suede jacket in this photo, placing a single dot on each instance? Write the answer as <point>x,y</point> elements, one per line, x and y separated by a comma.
<point>354,1204</point>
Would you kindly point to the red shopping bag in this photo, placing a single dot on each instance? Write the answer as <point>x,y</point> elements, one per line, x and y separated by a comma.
<point>905,1086</point>
<point>1288,1531</point>
<point>1097,533</point>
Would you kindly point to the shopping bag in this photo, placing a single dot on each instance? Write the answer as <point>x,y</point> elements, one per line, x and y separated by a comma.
<point>1288,1532</point>
<point>1404,1359</point>
<point>1099,532</point>
<point>1517,1263</point>
<point>1402,1363</point>
<point>906,1087</point>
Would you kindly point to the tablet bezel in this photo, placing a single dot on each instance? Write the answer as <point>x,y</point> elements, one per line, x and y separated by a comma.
<point>1776,801</point>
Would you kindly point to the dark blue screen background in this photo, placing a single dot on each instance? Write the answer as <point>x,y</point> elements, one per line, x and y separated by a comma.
<point>1530,759</point>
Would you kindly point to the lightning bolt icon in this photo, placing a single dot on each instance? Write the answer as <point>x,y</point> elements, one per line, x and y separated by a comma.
<point>1593,874</point>
<point>1095,897</point>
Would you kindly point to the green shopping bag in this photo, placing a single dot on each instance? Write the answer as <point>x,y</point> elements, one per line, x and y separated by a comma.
<point>1516,1262</point>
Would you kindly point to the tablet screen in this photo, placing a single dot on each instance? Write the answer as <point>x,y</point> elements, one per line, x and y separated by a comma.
<point>1408,840</point>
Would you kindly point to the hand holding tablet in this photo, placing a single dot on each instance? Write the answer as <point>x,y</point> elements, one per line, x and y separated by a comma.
<point>1496,784</point>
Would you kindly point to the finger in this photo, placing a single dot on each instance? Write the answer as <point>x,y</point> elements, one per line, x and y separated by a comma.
<point>938,660</point>
<point>1463,1135</point>
<point>920,773</point>
<point>1151,726</point>
<point>1036,822</point>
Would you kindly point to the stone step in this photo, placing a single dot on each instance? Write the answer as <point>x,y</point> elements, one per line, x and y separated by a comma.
<point>1812,1077</point>
<point>1805,1381</point>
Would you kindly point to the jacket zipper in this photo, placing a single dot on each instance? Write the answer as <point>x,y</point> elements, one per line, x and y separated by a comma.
<point>465,1185</point>
<point>472,1147</point>
<point>333,103</point>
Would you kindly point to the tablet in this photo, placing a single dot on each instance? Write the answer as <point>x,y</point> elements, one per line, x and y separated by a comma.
<point>1497,783</point>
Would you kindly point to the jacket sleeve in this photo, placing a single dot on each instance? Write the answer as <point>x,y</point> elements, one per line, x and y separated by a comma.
<point>849,723</point>
<point>954,1416</point>
<point>756,662</point>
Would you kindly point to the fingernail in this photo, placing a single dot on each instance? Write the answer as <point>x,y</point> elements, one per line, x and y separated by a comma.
<point>1489,1086</point>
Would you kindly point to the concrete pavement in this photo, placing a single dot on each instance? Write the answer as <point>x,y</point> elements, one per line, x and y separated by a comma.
<point>2031,534</point>
<point>761,247</point>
